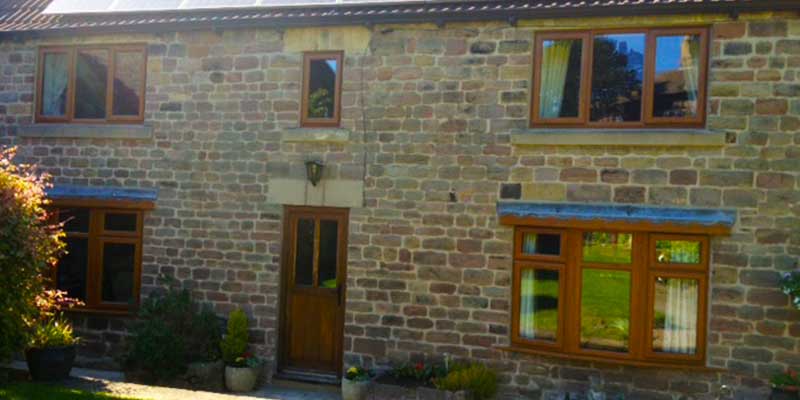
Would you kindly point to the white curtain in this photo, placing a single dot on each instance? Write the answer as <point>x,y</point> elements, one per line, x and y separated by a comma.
<point>680,325</point>
<point>690,66</point>
<point>54,92</point>
<point>527,322</point>
<point>555,62</point>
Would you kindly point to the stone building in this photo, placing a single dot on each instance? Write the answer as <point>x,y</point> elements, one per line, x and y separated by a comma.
<point>559,189</point>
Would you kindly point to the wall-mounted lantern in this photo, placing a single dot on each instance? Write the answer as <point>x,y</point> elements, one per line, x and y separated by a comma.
<point>314,171</point>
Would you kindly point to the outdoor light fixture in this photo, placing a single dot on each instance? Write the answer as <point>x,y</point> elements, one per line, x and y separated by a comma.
<point>314,171</point>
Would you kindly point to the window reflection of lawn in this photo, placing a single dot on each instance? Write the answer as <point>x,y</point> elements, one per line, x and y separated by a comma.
<point>605,308</point>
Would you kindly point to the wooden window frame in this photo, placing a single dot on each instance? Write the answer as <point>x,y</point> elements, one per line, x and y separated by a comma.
<point>335,121</point>
<point>643,269</point>
<point>97,237</point>
<point>72,52</point>
<point>647,119</point>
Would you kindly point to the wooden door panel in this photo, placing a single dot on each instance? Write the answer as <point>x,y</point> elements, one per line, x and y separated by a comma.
<point>314,275</point>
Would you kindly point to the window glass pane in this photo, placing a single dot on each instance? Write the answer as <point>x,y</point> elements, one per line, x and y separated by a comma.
<point>677,77</point>
<point>121,222</point>
<point>322,88</point>
<point>54,84</point>
<point>71,275</point>
<point>607,247</point>
<point>90,85</point>
<point>304,253</point>
<point>328,249</point>
<point>128,74</point>
<point>560,81</point>
<point>74,219</point>
<point>617,74</point>
<point>547,244</point>
<point>538,309</point>
<point>605,309</point>
<point>678,252</point>
<point>676,306</point>
<point>118,266</point>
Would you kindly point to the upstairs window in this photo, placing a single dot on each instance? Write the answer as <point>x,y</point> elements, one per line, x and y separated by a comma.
<point>322,89</point>
<point>91,84</point>
<point>620,79</point>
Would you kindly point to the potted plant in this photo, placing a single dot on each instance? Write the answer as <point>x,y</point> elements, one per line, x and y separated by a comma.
<point>355,384</point>
<point>241,368</point>
<point>790,284</point>
<point>51,348</point>
<point>473,381</point>
<point>785,386</point>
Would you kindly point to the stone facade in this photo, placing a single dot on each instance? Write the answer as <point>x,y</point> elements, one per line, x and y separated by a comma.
<point>430,114</point>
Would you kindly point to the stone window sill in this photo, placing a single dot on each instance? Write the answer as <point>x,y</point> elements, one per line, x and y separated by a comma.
<point>316,135</point>
<point>617,137</point>
<point>90,131</point>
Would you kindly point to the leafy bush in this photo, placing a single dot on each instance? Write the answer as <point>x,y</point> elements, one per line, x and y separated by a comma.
<point>788,380</point>
<point>51,328</point>
<point>421,372</point>
<point>790,284</point>
<point>234,345</point>
<point>171,332</point>
<point>30,244</point>
<point>478,379</point>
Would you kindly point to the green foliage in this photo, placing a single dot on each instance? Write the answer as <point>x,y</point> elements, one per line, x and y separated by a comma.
<point>234,345</point>
<point>421,372</point>
<point>787,380</point>
<point>790,284</point>
<point>320,104</point>
<point>56,332</point>
<point>171,332</point>
<point>29,245</point>
<point>358,374</point>
<point>478,379</point>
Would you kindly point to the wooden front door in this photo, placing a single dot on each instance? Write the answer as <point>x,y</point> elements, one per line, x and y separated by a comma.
<point>314,267</point>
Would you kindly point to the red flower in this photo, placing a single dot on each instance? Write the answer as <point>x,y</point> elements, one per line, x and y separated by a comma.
<point>420,366</point>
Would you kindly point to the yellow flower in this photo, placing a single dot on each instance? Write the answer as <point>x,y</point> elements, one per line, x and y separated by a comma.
<point>352,370</point>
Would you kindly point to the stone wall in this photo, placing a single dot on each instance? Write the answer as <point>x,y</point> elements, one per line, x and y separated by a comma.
<point>430,113</point>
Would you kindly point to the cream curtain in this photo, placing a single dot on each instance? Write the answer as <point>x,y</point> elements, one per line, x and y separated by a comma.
<point>680,326</point>
<point>527,323</point>
<point>54,92</point>
<point>555,62</point>
<point>690,66</point>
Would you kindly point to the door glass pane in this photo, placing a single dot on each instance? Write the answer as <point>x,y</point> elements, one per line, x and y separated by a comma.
<point>560,82</point>
<point>677,78</point>
<point>607,247</point>
<point>304,253</point>
<point>54,84</point>
<point>71,275</point>
<point>675,306</point>
<point>328,249</point>
<point>121,222</point>
<point>617,74</point>
<point>128,74</point>
<point>538,309</point>
<point>605,309</point>
<point>322,88</point>
<point>74,219</point>
<point>118,266</point>
<point>678,251</point>
<point>90,84</point>
<point>547,244</point>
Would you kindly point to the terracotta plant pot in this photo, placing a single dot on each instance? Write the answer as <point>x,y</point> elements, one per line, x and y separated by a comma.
<point>354,390</point>
<point>50,363</point>
<point>784,394</point>
<point>240,379</point>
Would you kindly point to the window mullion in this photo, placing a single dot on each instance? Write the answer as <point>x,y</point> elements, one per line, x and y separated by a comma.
<point>586,81</point>
<point>639,295</point>
<point>73,59</point>
<point>112,55</point>
<point>95,259</point>
<point>572,314</point>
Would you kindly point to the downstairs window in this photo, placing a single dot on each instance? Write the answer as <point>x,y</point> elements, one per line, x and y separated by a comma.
<point>611,294</point>
<point>102,263</point>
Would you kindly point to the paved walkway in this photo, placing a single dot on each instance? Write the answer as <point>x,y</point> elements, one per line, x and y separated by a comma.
<point>113,382</point>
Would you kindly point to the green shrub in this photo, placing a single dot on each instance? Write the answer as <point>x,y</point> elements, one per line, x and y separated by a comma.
<point>171,332</point>
<point>57,332</point>
<point>234,345</point>
<point>29,246</point>
<point>478,379</point>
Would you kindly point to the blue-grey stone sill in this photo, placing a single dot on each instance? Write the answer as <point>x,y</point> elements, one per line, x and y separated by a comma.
<point>617,137</point>
<point>316,135</point>
<point>87,131</point>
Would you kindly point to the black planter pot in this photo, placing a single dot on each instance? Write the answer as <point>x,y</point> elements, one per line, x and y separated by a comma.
<point>50,363</point>
<point>783,394</point>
